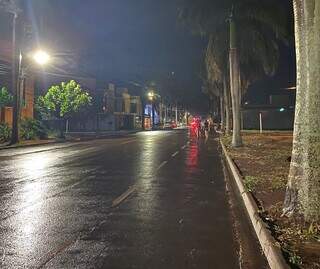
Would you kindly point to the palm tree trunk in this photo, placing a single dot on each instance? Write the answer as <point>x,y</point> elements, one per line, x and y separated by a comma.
<point>303,188</point>
<point>235,86</point>
<point>227,105</point>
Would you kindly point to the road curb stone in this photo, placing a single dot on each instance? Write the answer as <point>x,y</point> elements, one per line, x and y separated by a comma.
<point>70,139</point>
<point>270,247</point>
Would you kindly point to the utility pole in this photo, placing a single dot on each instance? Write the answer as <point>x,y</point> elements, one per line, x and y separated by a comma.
<point>11,7</point>
<point>14,85</point>
<point>152,114</point>
<point>165,114</point>
<point>176,113</point>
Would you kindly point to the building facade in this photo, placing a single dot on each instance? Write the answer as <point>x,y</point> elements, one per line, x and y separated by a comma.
<point>119,111</point>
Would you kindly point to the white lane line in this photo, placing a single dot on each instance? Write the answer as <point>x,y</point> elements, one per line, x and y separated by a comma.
<point>183,147</point>
<point>123,196</point>
<point>175,154</point>
<point>161,165</point>
<point>127,142</point>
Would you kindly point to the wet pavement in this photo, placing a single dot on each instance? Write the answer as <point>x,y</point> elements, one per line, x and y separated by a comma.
<point>150,200</point>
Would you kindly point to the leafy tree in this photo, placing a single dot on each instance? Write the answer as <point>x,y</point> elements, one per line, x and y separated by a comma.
<point>250,43</point>
<point>5,132</point>
<point>5,97</point>
<point>64,100</point>
<point>5,100</point>
<point>216,76</point>
<point>32,129</point>
<point>303,188</point>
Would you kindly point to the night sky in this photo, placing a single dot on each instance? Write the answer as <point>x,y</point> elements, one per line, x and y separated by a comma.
<point>137,40</point>
<point>125,40</point>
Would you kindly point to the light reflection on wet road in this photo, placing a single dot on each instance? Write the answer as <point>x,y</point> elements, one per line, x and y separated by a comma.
<point>56,205</point>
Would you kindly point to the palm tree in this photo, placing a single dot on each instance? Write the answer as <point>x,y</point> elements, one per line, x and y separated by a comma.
<point>303,188</point>
<point>216,69</point>
<point>254,30</point>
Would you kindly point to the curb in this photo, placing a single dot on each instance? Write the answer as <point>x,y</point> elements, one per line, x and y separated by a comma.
<point>30,145</point>
<point>71,139</point>
<point>270,247</point>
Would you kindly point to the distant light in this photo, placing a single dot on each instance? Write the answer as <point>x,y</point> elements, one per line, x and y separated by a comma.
<point>246,103</point>
<point>281,109</point>
<point>151,95</point>
<point>290,88</point>
<point>41,57</point>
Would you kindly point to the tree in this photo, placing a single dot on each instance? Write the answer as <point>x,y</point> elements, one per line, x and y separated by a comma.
<point>303,188</point>
<point>216,73</point>
<point>255,28</point>
<point>63,100</point>
<point>5,97</point>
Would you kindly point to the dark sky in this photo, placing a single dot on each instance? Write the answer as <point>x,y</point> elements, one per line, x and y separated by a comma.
<point>125,40</point>
<point>137,40</point>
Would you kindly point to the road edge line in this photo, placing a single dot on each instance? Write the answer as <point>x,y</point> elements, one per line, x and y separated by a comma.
<point>269,245</point>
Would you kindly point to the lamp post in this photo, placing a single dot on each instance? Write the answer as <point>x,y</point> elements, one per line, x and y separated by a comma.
<point>10,6</point>
<point>151,98</point>
<point>39,57</point>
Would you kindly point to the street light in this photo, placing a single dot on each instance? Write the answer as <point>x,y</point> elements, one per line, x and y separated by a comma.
<point>151,95</point>
<point>151,98</point>
<point>41,57</point>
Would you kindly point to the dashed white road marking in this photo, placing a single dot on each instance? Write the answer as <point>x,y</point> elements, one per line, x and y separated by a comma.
<point>161,165</point>
<point>175,154</point>
<point>127,142</point>
<point>183,147</point>
<point>124,196</point>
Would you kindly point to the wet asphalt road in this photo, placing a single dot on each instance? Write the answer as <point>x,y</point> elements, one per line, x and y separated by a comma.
<point>150,200</point>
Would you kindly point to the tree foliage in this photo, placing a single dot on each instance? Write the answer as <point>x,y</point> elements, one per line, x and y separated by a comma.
<point>65,99</point>
<point>32,129</point>
<point>5,132</point>
<point>260,26</point>
<point>5,97</point>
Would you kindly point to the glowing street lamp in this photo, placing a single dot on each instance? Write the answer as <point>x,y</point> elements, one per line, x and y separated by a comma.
<point>151,95</point>
<point>41,57</point>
